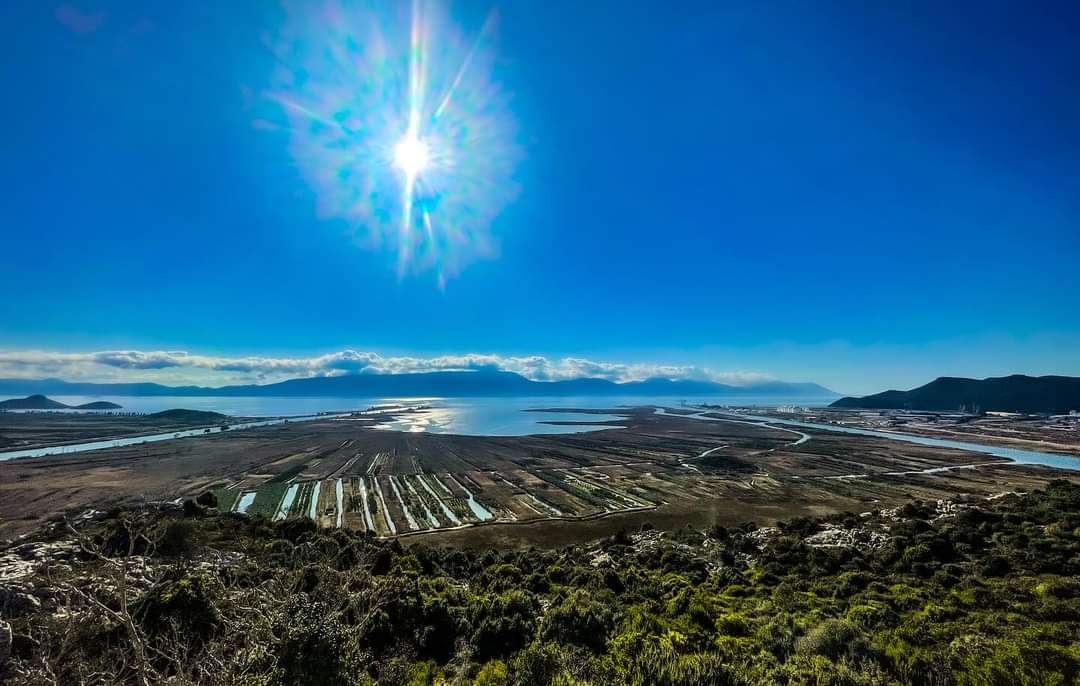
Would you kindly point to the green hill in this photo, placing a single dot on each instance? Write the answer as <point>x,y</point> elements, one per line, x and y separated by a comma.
<point>32,402</point>
<point>40,402</point>
<point>1017,393</point>
<point>189,416</point>
<point>98,405</point>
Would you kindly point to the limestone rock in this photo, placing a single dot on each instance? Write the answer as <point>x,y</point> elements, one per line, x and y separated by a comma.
<point>5,642</point>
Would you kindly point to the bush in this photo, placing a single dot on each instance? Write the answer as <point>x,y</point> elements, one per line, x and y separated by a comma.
<point>814,670</point>
<point>870,615</point>
<point>1023,661</point>
<point>297,530</point>
<point>437,631</point>
<point>578,620</point>
<point>178,539</point>
<point>493,673</point>
<point>123,535</point>
<point>425,673</point>
<point>1057,587</point>
<point>834,638</point>
<point>732,625</point>
<point>207,499</point>
<point>315,647</point>
<point>188,603</point>
<point>995,566</point>
<point>503,624</point>
<point>290,603</point>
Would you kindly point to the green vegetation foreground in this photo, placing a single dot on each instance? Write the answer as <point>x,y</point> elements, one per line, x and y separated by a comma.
<point>966,592</point>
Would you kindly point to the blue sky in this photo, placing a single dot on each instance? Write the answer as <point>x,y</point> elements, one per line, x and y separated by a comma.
<point>864,197</point>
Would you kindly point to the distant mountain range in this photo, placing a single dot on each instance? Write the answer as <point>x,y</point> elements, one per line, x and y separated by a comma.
<point>1017,393</point>
<point>441,384</point>
<point>40,402</point>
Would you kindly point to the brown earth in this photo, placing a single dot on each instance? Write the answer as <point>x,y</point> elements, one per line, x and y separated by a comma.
<point>598,482</point>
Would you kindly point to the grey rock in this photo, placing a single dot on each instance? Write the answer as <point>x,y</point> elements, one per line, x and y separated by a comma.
<point>16,601</point>
<point>46,593</point>
<point>5,642</point>
<point>27,551</point>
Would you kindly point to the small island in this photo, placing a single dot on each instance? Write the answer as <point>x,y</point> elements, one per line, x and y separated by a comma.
<point>40,402</point>
<point>189,416</point>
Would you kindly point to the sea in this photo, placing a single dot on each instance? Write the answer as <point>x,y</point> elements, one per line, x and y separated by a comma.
<point>474,416</point>
<point>484,417</point>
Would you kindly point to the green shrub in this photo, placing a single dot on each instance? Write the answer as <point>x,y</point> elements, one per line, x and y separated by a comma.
<point>425,673</point>
<point>579,620</point>
<point>178,539</point>
<point>834,638</point>
<point>1019,661</point>
<point>732,624</point>
<point>1057,587</point>
<point>869,615</point>
<point>207,499</point>
<point>188,603</point>
<point>293,604</point>
<point>315,647</point>
<point>502,624</point>
<point>493,673</point>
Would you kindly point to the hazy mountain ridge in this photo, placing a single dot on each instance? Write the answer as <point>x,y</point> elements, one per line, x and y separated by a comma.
<point>1016,393</point>
<point>40,402</point>
<point>448,384</point>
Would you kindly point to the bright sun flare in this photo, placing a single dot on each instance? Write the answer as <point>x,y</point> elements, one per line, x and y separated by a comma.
<point>411,155</point>
<point>396,121</point>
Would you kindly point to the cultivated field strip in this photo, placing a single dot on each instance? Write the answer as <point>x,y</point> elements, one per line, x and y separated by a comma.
<point>397,484</point>
<point>661,467</point>
<point>345,484</point>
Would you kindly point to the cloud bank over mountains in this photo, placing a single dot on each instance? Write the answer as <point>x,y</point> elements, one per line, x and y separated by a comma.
<point>180,367</point>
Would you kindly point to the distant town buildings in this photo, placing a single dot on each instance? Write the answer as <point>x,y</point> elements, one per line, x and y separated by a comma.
<point>792,409</point>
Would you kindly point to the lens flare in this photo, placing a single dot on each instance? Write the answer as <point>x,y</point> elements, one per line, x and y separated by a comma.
<point>398,125</point>
<point>411,155</point>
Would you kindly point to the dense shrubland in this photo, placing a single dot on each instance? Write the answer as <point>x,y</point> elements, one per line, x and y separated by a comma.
<point>983,592</point>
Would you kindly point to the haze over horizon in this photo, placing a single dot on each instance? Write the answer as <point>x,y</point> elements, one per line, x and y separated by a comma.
<point>862,197</point>
<point>178,368</point>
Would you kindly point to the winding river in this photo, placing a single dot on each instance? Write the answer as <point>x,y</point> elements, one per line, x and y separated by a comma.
<point>153,438</point>
<point>1016,455</point>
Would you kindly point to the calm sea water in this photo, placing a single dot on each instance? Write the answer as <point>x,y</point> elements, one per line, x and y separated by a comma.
<point>485,417</point>
<point>475,416</point>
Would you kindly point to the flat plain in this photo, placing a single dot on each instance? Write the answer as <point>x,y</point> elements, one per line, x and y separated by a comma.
<point>663,468</point>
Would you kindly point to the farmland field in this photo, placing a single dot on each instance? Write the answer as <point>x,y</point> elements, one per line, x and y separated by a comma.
<point>657,466</point>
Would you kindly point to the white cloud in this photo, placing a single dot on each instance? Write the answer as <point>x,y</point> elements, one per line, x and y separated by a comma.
<point>184,367</point>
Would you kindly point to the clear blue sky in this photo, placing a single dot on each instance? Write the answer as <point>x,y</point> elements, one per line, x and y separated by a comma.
<point>835,191</point>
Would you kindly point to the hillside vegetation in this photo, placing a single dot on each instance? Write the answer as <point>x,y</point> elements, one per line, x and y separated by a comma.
<point>1016,393</point>
<point>976,592</point>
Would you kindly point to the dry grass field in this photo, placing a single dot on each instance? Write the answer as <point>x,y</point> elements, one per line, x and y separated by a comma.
<point>666,469</point>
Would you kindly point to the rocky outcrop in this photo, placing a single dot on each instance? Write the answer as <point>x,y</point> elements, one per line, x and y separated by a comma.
<point>5,642</point>
<point>30,558</point>
<point>17,599</point>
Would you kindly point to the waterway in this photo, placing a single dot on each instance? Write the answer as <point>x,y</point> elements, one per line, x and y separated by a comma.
<point>1016,455</point>
<point>150,438</point>
<point>499,417</point>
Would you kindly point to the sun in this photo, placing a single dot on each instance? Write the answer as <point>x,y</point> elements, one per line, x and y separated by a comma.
<point>395,119</point>
<point>411,155</point>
